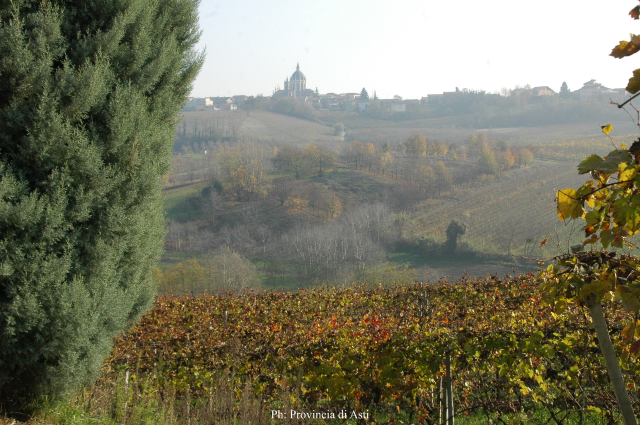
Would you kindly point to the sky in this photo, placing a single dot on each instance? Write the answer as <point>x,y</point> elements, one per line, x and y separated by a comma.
<point>411,48</point>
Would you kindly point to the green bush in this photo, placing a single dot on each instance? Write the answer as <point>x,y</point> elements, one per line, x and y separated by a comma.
<point>89,94</point>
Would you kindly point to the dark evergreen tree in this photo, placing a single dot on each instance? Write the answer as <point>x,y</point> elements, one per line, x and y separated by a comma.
<point>454,231</point>
<point>564,90</point>
<point>375,96</point>
<point>364,96</point>
<point>89,95</point>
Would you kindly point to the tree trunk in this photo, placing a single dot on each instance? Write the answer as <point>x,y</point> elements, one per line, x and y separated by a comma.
<point>613,367</point>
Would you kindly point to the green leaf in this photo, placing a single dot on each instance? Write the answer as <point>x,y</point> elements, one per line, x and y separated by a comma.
<point>613,161</point>
<point>634,82</point>
<point>606,236</point>
<point>589,164</point>
<point>628,299</point>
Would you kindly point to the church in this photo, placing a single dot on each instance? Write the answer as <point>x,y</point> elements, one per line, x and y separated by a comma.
<point>296,86</point>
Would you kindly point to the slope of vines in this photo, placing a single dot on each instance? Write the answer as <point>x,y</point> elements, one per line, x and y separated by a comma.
<point>382,350</point>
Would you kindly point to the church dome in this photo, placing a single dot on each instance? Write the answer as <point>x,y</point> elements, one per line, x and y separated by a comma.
<point>298,75</point>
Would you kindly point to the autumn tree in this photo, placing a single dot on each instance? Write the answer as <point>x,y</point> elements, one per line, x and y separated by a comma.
<point>415,145</point>
<point>319,157</point>
<point>369,155</point>
<point>506,159</point>
<point>89,96</point>
<point>291,158</point>
<point>353,153</point>
<point>244,169</point>
<point>426,179</point>
<point>443,177</point>
<point>475,145</point>
<point>487,161</point>
<point>525,157</point>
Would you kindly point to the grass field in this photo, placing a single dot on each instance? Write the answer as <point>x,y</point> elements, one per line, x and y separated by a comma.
<point>176,205</point>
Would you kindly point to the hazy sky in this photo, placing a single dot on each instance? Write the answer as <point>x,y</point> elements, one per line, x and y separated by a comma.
<point>412,48</point>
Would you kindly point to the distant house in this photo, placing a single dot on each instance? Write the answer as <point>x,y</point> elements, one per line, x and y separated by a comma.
<point>393,105</point>
<point>240,99</point>
<point>591,88</point>
<point>424,99</point>
<point>312,101</point>
<point>542,91</point>
<point>348,105</point>
<point>448,96</point>
<point>221,103</point>
<point>222,100</point>
<point>195,102</point>
<point>434,99</point>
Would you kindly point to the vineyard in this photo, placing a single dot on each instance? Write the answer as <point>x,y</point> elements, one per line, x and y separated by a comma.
<point>382,352</point>
<point>512,214</point>
<point>283,129</point>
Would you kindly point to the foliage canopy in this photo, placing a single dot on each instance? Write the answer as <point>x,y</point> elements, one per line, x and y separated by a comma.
<point>89,94</point>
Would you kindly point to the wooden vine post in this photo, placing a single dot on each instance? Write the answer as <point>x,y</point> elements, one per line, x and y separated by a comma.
<point>445,395</point>
<point>450,420</point>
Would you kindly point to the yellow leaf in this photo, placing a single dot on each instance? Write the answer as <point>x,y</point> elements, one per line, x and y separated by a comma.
<point>568,205</point>
<point>606,129</point>
<point>628,174</point>
<point>623,146</point>
<point>626,332</point>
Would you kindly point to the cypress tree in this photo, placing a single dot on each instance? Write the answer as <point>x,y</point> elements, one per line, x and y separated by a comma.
<point>89,95</point>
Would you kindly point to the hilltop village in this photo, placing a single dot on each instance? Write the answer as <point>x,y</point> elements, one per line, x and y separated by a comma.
<point>295,87</point>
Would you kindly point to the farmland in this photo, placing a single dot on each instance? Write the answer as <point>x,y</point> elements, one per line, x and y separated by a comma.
<point>506,215</point>
<point>315,341</point>
<point>380,351</point>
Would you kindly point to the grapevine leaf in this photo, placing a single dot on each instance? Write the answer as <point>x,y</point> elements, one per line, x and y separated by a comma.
<point>605,237</point>
<point>595,287</point>
<point>568,205</point>
<point>628,299</point>
<point>613,161</point>
<point>634,82</point>
<point>589,164</point>
<point>635,12</point>
<point>628,331</point>
<point>635,148</point>
<point>635,348</point>
<point>628,174</point>
<point>625,48</point>
<point>606,129</point>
